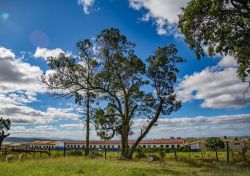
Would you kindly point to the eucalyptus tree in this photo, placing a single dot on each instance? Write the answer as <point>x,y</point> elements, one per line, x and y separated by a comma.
<point>68,78</point>
<point>222,26</point>
<point>135,89</point>
<point>4,126</point>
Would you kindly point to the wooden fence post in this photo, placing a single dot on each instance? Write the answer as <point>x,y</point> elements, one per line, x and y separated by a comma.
<point>5,151</point>
<point>232,155</point>
<point>64,152</point>
<point>244,155</point>
<point>227,151</point>
<point>175,155</point>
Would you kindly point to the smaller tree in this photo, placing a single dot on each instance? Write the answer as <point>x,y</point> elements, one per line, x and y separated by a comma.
<point>4,125</point>
<point>215,143</point>
<point>106,123</point>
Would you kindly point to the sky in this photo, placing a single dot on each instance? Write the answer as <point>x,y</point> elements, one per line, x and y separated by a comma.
<point>32,30</point>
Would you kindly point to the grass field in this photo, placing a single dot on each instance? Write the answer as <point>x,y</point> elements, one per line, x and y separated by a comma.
<point>67,166</point>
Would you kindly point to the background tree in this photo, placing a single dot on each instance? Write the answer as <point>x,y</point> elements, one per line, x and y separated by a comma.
<point>4,125</point>
<point>69,76</point>
<point>215,143</point>
<point>106,123</point>
<point>221,25</point>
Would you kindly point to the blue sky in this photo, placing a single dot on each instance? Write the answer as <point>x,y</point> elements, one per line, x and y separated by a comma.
<point>31,30</point>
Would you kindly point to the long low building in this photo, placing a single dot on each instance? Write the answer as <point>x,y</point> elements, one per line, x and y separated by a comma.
<point>116,144</point>
<point>45,145</point>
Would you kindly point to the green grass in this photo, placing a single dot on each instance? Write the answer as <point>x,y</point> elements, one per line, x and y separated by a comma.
<point>36,165</point>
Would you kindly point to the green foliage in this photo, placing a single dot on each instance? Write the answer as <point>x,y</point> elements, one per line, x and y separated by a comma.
<point>111,69</point>
<point>75,153</point>
<point>215,143</point>
<point>95,154</point>
<point>140,153</point>
<point>223,26</point>
<point>5,124</point>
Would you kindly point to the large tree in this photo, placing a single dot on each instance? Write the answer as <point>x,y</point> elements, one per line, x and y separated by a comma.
<point>222,26</point>
<point>4,126</point>
<point>65,80</point>
<point>124,82</point>
<point>131,88</point>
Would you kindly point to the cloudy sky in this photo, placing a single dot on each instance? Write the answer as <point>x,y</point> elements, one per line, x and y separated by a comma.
<point>30,31</point>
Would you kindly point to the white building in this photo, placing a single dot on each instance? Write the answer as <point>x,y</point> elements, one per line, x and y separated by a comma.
<point>116,144</point>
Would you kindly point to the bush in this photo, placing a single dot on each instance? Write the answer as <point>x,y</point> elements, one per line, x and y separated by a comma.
<point>140,153</point>
<point>162,153</point>
<point>94,154</point>
<point>156,157</point>
<point>75,153</point>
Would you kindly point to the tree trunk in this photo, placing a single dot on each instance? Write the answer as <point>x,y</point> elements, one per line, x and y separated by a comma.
<point>124,140</point>
<point>2,136</point>
<point>1,141</point>
<point>87,123</point>
<point>216,155</point>
<point>145,132</point>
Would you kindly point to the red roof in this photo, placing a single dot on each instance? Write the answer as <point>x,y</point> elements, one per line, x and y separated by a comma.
<point>115,142</point>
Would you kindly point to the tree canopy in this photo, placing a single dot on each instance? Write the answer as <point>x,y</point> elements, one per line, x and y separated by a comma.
<point>222,26</point>
<point>4,125</point>
<point>128,87</point>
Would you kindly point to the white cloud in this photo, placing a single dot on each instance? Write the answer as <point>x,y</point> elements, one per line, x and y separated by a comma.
<point>218,86</point>
<point>200,126</point>
<point>164,13</point>
<point>45,53</point>
<point>86,5</point>
<point>16,75</point>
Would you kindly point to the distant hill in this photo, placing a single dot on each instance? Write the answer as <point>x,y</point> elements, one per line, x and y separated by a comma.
<point>17,139</point>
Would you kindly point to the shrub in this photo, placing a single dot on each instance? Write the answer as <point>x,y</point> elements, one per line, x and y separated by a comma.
<point>75,153</point>
<point>95,154</point>
<point>155,157</point>
<point>140,153</point>
<point>162,153</point>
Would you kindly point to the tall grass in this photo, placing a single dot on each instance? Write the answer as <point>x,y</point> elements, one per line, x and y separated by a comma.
<point>57,165</point>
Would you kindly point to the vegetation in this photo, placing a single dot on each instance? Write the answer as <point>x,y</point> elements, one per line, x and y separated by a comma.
<point>215,143</point>
<point>119,78</point>
<point>4,125</point>
<point>221,25</point>
<point>64,81</point>
<point>112,166</point>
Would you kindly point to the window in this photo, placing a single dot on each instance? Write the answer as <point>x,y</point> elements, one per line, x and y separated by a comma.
<point>108,146</point>
<point>178,146</point>
<point>100,146</point>
<point>144,146</point>
<point>161,146</point>
<point>94,146</point>
<point>113,146</point>
<point>167,146</point>
<point>83,146</point>
<point>154,146</point>
<point>172,146</point>
<point>78,146</point>
<point>149,146</point>
<point>90,146</point>
<point>119,146</point>
<point>74,146</point>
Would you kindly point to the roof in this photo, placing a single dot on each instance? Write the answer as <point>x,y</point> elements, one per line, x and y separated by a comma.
<point>115,142</point>
<point>44,143</point>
